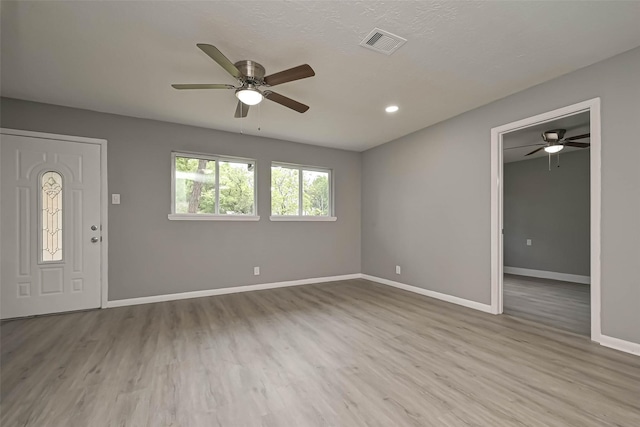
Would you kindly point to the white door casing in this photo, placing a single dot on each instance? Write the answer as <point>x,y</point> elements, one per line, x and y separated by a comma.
<point>56,270</point>
<point>497,249</point>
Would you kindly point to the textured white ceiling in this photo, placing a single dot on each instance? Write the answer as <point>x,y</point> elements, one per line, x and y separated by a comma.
<point>577,124</point>
<point>120,57</point>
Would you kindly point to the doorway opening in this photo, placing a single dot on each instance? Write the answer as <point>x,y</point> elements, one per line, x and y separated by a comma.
<point>546,223</point>
<point>539,261</point>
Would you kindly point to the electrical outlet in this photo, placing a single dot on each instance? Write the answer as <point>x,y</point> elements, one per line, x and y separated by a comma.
<point>528,242</point>
<point>256,271</point>
<point>398,270</point>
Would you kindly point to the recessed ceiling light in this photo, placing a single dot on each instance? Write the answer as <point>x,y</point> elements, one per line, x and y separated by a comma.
<point>391,109</point>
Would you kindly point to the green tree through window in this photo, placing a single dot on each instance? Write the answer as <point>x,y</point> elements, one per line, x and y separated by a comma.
<point>195,186</point>
<point>291,185</point>
<point>236,188</point>
<point>316,193</point>
<point>284,191</point>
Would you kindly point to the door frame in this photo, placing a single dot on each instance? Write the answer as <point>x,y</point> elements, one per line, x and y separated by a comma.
<point>104,197</point>
<point>497,167</point>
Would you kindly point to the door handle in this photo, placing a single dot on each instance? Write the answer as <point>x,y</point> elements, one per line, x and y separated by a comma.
<point>94,240</point>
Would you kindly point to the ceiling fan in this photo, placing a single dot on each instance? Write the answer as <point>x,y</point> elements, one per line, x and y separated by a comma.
<point>251,78</point>
<point>554,142</point>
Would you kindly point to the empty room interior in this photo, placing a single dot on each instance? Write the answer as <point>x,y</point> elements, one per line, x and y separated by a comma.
<point>309,213</point>
<point>546,223</point>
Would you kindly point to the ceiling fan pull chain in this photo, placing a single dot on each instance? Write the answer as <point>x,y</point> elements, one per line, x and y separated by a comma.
<point>558,159</point>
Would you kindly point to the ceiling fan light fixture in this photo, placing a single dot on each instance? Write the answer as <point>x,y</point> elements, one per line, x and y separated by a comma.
<point>249,95</point>
<point>552,149</point>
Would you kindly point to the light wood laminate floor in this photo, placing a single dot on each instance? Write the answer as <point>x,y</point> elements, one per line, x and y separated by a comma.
<point>555,303</point>
<point>349,353</point>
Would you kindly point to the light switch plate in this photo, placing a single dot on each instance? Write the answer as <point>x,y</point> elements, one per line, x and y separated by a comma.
<point>528,242</point>
<point>115,199</point>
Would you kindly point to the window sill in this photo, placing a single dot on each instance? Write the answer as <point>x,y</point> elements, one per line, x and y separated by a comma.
<point>303,218</point>
<point>205,217</point>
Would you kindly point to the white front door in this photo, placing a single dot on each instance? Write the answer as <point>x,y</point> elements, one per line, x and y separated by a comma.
<point>50,226</point>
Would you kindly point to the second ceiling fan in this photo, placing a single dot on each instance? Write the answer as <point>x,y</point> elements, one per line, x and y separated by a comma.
<point>554,141</point>
<point>251,78</point>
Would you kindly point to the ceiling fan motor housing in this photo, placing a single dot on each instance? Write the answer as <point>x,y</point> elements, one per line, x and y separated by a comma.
<point>554,135</point>
<point>253,71</point>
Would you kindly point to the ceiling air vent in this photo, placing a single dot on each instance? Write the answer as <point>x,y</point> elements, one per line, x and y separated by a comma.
<point>382,41</point>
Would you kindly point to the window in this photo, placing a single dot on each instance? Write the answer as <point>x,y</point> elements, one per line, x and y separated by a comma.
<point>212,187</point>
<point>51,200</point>
<point>300,193</point>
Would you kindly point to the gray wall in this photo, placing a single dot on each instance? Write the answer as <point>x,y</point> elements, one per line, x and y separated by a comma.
<point>426,196</point>
<point>150,255</point>
<point>425,200</point>
<point>550,207</point>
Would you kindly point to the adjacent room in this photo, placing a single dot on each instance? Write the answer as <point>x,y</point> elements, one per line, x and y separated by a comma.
<point>547,223</point>
<point>309,213</point>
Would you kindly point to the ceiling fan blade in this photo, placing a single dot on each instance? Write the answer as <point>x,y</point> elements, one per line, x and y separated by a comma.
<point>295,73</point>
<point>522,146</point>
<point>241,110</point>
<point>222,60</point>
<point>534,151</point>
<point>577,144</point>
<point>203,86</point>
<point>572,138</point>
<point>287,102</point>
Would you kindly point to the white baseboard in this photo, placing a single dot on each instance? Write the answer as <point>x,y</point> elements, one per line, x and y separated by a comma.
<point>585,280</point>
<point>224,291</point>
<point>621,345</point>
<point>248,288</point>
<point>607,341</point>
<point>437,295</point>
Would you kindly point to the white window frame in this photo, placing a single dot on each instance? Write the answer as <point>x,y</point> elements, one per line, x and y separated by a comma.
<point>300,216</point>
<point>217,216</point>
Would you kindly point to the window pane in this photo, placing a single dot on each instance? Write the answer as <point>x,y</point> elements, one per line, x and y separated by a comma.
<point>315,193</point>
<point>51,216</point>
<point>236,188</point>
<point>285,195</point>
<point>195,185</point>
